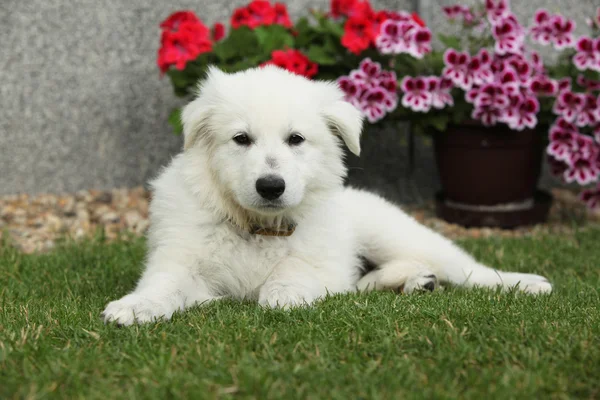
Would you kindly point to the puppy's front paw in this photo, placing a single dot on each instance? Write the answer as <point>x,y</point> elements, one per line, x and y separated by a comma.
<point>533,284</point>
<point>135,308</point>
<point>284,296</point>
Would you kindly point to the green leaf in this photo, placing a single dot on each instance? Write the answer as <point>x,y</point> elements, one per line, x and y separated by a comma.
<point>241,42</point>
<point>321,56</point>
<point>449,41</point>
<point>175,121</point>
<point>274,37</point>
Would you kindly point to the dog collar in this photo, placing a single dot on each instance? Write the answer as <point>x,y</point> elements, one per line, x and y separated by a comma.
<point>260,230</point>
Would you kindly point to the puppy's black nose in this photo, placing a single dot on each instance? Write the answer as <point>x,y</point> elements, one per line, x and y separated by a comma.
<point>270,187</point>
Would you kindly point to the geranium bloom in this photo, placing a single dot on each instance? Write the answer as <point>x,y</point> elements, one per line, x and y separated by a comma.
<point>562,32</point>
<point>564,84</point>
<point>218,31</point>
<point>457,69</point>
<point>497,9</point>
<point>480,68</point>
<point>368,73</point>
<point>373,103</point>
<point>488,115</point>
<point>541,31</point>
<point>294,61</point>
<point>588,84</point>
<point>440,92</point>
<point>371,90</point>
<point>591,197</point>
<point>508,36</point>
<point>590,113</point>
<point>183,39</point>
<point>524,115</point>
<point>417,96</point>
<point>261,12</point>
<point>569,105</point>
<point>341,7</point>
<point>455,11</point>
<point>588,54</point>
<point>543,86</point>
<point>562,136</point>
<point>358,34</point>
<point>582,169</point>
<point>491,95</point>
<point>403,36</point>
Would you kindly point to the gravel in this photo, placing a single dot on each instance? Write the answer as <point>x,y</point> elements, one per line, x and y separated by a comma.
<point>38,223</point>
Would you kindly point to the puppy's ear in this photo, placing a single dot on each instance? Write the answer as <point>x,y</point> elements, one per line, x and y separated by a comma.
<point>346,121</point>
<point>195,115</point>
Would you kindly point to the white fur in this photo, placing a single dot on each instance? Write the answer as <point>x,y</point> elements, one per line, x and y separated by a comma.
<point>200,248</point>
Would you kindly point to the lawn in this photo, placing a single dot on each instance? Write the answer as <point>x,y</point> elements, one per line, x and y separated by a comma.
<point>448,344</point>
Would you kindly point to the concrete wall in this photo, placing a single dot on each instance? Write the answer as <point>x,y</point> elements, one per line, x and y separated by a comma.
<point>82,104</point>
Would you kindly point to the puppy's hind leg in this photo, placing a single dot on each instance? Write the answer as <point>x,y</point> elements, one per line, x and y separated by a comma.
<point>400,276</point>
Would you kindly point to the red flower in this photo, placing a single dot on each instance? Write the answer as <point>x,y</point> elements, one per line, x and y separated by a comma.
<point>294,61</point>
<point>281,15</point>
<point>240,17</point>
<point>174,20</point>
<point>184,38</point>
<point>260,12</point>
<point>218,31</point>
<point>415,17</point>
<point>341,7</point>
<point>358,34</point>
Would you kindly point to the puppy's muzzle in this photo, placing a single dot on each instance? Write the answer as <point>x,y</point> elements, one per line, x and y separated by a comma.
<point>270,187</point>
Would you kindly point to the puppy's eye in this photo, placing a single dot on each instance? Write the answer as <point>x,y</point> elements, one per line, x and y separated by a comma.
<point>295,139</point>
<point>242,139</point>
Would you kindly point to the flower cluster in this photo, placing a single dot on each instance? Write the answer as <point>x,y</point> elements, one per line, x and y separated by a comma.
<point>184,37</point>
<point>555,29</point>
<point>588,54</point>
<point>261,12</point>
<point>371,89</point>
<point>390,32</point>
<point>294,61</point>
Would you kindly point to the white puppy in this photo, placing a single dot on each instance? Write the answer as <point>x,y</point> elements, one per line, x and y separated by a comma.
<point>255,208</point>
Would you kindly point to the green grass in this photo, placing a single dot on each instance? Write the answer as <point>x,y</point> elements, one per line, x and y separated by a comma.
<point>455,343</point>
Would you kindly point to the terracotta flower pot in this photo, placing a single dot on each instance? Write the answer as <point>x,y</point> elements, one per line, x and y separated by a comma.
<point>489,175</point>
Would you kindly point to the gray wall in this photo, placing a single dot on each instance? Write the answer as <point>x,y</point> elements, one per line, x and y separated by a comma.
<point>82,104</point>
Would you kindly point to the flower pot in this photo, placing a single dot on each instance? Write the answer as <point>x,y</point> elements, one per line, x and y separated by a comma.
<point>489,176</point>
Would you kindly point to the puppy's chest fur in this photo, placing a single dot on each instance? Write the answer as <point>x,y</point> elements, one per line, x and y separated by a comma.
<point>237,263</point>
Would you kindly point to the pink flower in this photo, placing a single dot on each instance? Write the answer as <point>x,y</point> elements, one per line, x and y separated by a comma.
<point>491,95</point>
<point>591,197</point>
<point>403,36</point>
<point>480,68</point>
<point>457,69</point>
<point>562,136</point>
<point>562,32</point>
<point>537,63</point>
<point>564,85</point>
<point>367,73</point>
<point>488,116</point>
<point>440,92</point>
<point>508,36</point>
<point>583,170</point>
<point>590,113</point>
<point>543,86</point>
<point>370,89</point>
<point>588,84</point>
<point>497,9</point>
<point>541,31</point>
<point>509,81</point>
<point>373,103</point>
<point>416,97</point>
<point>569,105</point>
<point>351,89</point>
<point>524,115</point>
<point>521,66</point>
<point>588,54</point>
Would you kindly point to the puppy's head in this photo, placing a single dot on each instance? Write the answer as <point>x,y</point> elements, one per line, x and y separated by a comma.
<point>270,139</point>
